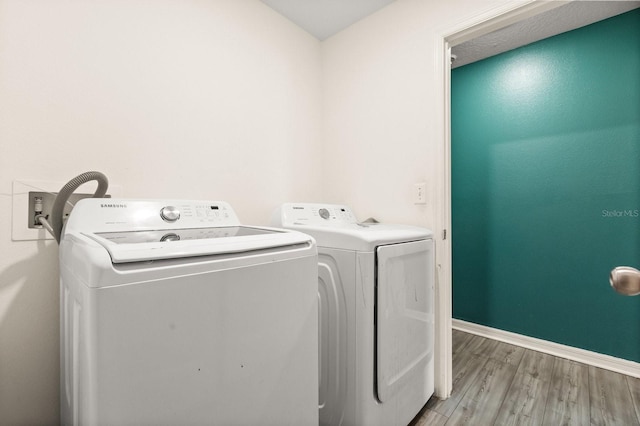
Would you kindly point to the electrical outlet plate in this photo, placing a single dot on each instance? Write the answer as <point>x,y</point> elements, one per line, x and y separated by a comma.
<point>22,209</point>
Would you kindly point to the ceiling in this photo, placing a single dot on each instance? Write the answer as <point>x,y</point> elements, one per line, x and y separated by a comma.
<point>553,22</point>
<point>324,18</point>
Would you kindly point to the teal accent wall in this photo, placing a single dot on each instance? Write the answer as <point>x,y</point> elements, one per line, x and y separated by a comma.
<point>546,187</point>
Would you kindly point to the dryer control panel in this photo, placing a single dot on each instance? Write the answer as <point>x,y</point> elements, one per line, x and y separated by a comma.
<point>315,214</point>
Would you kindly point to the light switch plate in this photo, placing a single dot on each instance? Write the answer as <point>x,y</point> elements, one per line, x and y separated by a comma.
<point>420,193</point>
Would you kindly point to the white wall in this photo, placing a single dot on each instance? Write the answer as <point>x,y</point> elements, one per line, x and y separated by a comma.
<point>214,99</point>
<point>383,106</point>
<point>186,99</point>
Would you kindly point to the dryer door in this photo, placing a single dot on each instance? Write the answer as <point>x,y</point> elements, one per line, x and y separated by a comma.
<point>404,315</point>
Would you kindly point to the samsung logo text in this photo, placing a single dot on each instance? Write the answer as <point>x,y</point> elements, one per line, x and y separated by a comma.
<point>113,206</point>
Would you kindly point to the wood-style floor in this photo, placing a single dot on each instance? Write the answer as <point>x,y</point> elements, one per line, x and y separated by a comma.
<point>495,383</point>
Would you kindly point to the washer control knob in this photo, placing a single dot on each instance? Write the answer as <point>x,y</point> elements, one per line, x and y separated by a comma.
<point>324,213</point>
<point>170,214</point>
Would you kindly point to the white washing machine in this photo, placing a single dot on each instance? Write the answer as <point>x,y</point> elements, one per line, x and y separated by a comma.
<point>376,315</point>
<point>173,313</point>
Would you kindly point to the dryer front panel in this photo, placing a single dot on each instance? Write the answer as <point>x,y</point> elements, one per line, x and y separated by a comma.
<point>404,316</point>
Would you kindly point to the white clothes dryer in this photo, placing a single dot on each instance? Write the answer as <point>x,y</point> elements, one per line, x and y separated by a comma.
<point>376,315</point>
<point>173,313</point>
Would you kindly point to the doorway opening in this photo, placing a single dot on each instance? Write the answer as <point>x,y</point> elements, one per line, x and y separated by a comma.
<point>477,27</point>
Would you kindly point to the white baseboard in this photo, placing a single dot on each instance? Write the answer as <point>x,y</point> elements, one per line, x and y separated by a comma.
<point>595,359</point>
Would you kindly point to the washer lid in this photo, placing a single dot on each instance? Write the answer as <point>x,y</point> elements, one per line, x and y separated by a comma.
<point>145,245</point>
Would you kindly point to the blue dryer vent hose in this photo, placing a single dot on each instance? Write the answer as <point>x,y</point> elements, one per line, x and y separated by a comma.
<point>57,211</point>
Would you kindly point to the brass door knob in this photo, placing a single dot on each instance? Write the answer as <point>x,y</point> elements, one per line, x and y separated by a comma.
<point>625,280</point>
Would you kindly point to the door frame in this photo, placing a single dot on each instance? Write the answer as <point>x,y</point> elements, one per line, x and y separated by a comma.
<point>481,24</point>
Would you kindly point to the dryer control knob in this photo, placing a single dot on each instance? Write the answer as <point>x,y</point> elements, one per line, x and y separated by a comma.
<point>324,213</point>
<point>170,214</point>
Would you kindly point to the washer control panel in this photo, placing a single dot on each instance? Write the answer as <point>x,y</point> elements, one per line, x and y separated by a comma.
<point>102,215</point>
<point>315,214</point>
<point>187,213</point>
